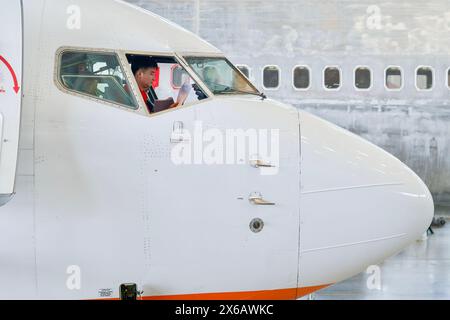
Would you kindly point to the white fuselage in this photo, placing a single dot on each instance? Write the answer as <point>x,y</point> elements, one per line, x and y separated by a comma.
<point>96,190</point>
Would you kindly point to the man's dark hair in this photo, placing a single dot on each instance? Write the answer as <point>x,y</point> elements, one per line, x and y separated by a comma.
<point>142,62</point>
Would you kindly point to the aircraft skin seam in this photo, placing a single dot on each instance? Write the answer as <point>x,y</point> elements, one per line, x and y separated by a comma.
<point>300,201</point>
<point>354,187</point>
<point>354,243</point>
<point>35,99</point>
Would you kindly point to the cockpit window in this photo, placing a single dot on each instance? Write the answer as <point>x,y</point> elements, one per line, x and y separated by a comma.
<point>220,76</point>
<point>163,83</point>
<point>95,74</point>
<point>178,76</point>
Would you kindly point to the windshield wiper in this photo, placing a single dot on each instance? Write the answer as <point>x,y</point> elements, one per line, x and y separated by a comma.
<point>228,89</point>
<point>259,94</point>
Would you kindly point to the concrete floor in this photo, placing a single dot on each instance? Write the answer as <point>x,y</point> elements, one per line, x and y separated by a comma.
<point>422,271</point>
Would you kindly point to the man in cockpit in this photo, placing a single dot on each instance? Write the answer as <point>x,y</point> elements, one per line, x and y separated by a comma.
<point>212,79</point>
<point>144,70</point>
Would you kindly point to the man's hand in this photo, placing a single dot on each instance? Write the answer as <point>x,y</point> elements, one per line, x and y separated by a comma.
<point>199,92</point>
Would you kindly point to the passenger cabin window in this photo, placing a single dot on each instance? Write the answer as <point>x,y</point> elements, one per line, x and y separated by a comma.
<point>245,70</point>
<point>302,78</point>
<point>162,82</point>
<point>448,78</point>
<point>271,77</point>
<point>394,78</point>
<point>424,78</point>
<point>363,78</point>
<point>95,74</point>
<point>178,76</point>
<point>332,78</point>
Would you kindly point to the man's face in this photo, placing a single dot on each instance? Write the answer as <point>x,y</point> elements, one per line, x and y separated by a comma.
<point>145,78</point>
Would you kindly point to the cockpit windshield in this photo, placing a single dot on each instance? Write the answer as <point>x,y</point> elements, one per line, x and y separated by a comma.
<point>220,76</point>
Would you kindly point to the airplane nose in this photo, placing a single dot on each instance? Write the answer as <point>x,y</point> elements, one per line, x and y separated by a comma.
<point>359,204</point>
<point>416,207</point>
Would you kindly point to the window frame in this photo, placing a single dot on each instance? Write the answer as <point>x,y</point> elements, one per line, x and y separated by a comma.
<point>181,56</point>
<point>371,77</point>
<point>178,57</point>
<point>341,80</point>
<point>447,82</point>
<point>57,78</point>
<point>126,68</point>
<point>401,75</point>
<point>433,80</point>
<point>172,84</point>
<point>279,77</point>
<point>446,78</point>
<point>310,77</point>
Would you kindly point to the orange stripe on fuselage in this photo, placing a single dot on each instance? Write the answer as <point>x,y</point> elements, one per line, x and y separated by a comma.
<point>283,294</point>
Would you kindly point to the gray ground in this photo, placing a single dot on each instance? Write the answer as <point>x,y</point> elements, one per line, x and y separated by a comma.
<point>422,271</point>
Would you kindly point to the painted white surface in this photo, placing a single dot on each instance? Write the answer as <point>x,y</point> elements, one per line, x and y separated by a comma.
<point>117,24</point>
<point>382,205</point>
<point>1,136</point>
<point>10,101</point>
<point>97,190</point>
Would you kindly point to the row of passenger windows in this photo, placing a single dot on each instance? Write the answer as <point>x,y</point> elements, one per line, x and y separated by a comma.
<point>100,75</point>
<point>332,78</point>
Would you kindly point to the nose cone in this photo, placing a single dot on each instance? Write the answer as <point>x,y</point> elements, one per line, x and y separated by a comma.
<point>359,204</point>
<point>414,205</point>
